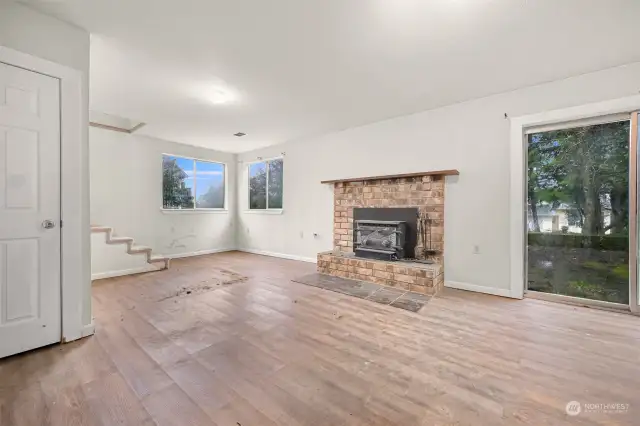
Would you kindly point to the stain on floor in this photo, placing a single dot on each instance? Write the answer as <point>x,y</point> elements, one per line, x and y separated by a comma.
<point>219,278</point>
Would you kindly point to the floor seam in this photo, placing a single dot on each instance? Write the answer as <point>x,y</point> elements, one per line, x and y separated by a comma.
<point>374,292</point>
<point>394,300</point>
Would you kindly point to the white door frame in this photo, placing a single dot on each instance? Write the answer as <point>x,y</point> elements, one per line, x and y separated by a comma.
<point>517,202</point>
<point>75,279</point>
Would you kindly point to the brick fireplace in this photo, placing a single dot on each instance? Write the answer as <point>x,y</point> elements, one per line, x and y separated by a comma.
<point>422,191</point>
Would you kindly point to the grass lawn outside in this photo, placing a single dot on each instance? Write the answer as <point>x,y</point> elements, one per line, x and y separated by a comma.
<point>580,272</point>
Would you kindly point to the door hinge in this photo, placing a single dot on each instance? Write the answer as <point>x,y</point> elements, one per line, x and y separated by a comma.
<point>60,223</point>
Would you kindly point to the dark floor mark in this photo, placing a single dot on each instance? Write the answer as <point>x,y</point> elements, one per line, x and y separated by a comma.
<point>219,277</point>
<point>376,293</point>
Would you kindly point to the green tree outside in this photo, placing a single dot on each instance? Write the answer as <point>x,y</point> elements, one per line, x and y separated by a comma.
<point>175,194</point>
<point>584,173</point>
<point>258,185</point>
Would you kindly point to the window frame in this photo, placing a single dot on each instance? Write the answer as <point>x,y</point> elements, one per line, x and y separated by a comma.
<point>195,209</point>
<point>267,210</point>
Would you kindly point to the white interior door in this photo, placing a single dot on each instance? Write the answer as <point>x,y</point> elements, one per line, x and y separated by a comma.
<point>30,307</point>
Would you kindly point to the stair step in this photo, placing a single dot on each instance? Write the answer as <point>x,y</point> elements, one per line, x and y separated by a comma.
<point>139,249</point>
<point>131,247</point>
<point>100,229</point>
<point>120,240</point>
<point>160,259</point>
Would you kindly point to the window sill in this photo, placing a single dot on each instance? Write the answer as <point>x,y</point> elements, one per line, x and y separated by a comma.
<point>264,211</point>
<point>194,211</point>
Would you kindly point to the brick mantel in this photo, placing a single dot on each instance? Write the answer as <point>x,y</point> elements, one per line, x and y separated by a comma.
<point>450,172</point>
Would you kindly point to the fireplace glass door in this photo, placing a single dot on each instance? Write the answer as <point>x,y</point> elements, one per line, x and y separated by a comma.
<point>580,210</point>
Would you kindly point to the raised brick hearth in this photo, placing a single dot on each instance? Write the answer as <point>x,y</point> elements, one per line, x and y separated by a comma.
<point>423,191</point>
<point>411,276</point>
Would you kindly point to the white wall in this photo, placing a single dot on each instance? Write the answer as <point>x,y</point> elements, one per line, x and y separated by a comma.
<point>126,194</point>
<point>472,137</point>
<point>33,33</point>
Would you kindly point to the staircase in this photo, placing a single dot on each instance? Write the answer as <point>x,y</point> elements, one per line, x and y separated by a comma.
<point>131,247</point>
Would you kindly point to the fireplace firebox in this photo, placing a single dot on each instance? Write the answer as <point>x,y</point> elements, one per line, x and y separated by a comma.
<point>384,233</point>
<point>380,239</point>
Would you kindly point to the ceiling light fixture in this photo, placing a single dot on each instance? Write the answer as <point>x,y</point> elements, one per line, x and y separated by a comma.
<point>220,96</point>
<point>217,94</point>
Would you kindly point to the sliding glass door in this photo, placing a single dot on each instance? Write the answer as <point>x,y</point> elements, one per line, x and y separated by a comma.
<point>581,205</point>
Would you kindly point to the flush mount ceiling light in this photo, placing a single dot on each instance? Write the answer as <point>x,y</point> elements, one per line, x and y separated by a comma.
<point>221,95</point>
<point>214,91</point>
<point>239,134</point>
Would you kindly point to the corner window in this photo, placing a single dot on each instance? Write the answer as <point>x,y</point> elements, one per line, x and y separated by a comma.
<point>265,184</point>
<point>189,184</point>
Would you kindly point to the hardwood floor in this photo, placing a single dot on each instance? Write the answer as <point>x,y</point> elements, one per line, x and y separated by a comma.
<point>175,348</point>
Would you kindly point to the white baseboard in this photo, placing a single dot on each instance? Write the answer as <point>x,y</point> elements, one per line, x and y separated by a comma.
<point>197,253</point>
<point>504,292</point>
<point>280,255</point>
<point>112,274</point>
<point>150,268</point>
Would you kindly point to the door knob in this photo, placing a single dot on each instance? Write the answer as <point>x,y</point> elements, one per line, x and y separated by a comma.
<point>48,224</point>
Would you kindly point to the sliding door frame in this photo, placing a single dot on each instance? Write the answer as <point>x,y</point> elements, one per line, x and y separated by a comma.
<point>592,121</point>
<point>634,159</point>
<point>582,115</point>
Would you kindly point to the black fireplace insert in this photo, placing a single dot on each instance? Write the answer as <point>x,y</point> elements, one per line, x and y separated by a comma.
<point>385,233</point>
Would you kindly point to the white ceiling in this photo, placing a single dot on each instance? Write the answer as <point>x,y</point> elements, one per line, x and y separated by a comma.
<point>289,69</point>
